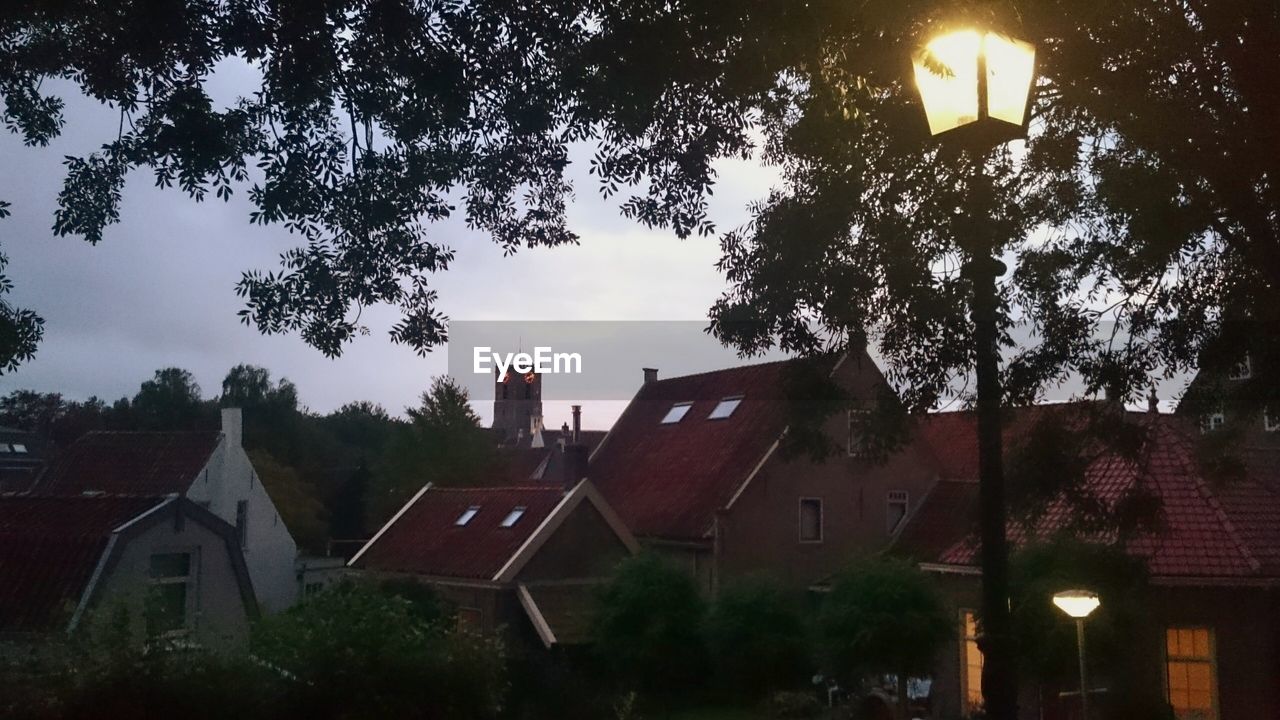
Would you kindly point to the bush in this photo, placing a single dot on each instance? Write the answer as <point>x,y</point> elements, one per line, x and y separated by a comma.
<point>647,628</point>
<point>757,639</point>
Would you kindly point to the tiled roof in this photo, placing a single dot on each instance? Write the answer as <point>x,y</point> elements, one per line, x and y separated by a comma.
<point>426,539</point>
<point>1227,530</point>
<point>948,512</point>
<point>49,547</point>
<point>520,464</point>
<point>669,480</point>
<point>130,463</point>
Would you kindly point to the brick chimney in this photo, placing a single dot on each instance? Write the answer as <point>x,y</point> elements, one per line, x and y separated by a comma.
<point>650,375</point>
<point>1153,401</point>
<point>575,453</point>
<point>232,425</point>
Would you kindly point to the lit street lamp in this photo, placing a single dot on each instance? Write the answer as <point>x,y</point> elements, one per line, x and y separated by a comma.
<point>976,90</point>
<point>1078,604</point>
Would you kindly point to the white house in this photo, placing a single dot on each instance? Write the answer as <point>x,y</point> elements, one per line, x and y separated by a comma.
<point>208,468</point>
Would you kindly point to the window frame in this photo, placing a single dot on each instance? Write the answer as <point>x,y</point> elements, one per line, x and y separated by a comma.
<point>1270,423</point>
<point>467,516</point>
<point>735,399</point>
<point>684,407</point>
<point>1211,660</point>
<point>822,520</point>
<point>191,586</point>
<point>891,498</point>
<point>967,705</point>
<point>514,516</point>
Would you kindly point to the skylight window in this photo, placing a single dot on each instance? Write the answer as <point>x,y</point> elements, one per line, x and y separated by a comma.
<point>513,517</point>
<point>466,516</point>
<point>725,408</point>
<point>19,448</point>
<point>676,413</point>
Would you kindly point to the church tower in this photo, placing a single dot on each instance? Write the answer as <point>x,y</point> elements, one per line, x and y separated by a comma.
<point>517,403</point>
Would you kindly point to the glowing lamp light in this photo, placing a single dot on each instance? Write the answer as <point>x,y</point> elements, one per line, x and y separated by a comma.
<point>1077,603</point>
<point>974,79</point>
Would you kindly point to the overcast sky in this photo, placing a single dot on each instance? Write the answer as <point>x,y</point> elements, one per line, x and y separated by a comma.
<point>158,290</point>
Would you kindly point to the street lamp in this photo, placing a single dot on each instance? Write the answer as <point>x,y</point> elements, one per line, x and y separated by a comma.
<point>975,86</point>
<point>1078,604</point>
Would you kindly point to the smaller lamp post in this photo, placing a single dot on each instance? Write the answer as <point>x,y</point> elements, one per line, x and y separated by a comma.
<point>1078,604</point>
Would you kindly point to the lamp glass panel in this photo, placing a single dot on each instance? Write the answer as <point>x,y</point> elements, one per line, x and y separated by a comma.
<point>1010,67</point>
<point>950,97</point>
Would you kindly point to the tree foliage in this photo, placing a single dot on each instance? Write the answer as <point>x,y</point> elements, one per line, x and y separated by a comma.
<point>647,628</point>
<point>882,617</point>
<point>757,638</point>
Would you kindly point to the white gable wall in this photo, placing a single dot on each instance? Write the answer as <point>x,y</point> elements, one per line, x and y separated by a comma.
<point>269,551</point>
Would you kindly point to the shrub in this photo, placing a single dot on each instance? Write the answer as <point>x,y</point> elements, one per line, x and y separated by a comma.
<point>757,639</point>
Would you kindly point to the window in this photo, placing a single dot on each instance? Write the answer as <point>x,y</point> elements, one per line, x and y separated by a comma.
<point>897,509</point>
<point>1242,371</point>
<point>1213,421</point>
<point>725,408</point>
<point>19,448</point>
<point>169,601</point>
<point>1191,682</point>
<point>856,444</point>
<point>242,522</point>
<point>513,517</point>
<point>676,413</point>
<point>810,520</point>
<point>970,664</point>
<point>1270,422</point>
<point>6,448</point>
<point>470,618</point>
<point>466,515</point>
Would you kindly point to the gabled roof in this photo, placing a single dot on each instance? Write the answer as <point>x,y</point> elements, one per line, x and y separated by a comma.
<point>130,463</point>
<point>1209,531</point>
<point>49,547</point>
<point>425,537</point>
<point>520,464</point>
<point>668,480</point>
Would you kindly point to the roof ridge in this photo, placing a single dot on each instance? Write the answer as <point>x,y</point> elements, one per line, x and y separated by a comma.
<point>496,488</point>
<point>1210,498</point>
<point>736,367</point>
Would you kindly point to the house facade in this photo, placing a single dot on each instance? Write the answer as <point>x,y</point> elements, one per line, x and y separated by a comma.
<point>1208,645</point>
<point>210,469</point>
<point>695,467</point>
<point>67,563</point>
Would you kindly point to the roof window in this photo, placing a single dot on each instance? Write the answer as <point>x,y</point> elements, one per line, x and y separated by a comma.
<point>466,516</point>
<point>725,408</point>
<point>513,517</point>
<point>676,413</point>
<point>19,448</point>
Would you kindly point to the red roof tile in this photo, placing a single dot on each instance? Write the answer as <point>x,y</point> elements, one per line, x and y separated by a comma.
<point>49,547</point>
<point>1230,530</point>
<point>426,539</point>
<point>668,480</point>
<point>130,463</point>
<point>948,512</point>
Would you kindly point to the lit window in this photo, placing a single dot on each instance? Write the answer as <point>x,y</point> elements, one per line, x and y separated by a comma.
<point>513,517</point>
<point>676,413</point>
<point>970,664</point>
<point>1191,681</point>
<point>19,448</point>
<point>466,516</point>
<point>810,520</point>
<point>897,509</point>
<point>1242,371</point>
<point>1270,422</point>
<point>856,445</point>
<point>725,408</point>
<point>168,602</point>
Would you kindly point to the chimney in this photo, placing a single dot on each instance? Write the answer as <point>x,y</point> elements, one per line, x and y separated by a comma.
<point>1153,401</point>
<point>575,465</point>
<point>577,423</point>
<point>231,426</point>
<point>650,375</point>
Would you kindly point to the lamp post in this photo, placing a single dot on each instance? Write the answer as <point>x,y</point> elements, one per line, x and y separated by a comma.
<point>1078,604</point>
<point>976,88</point>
